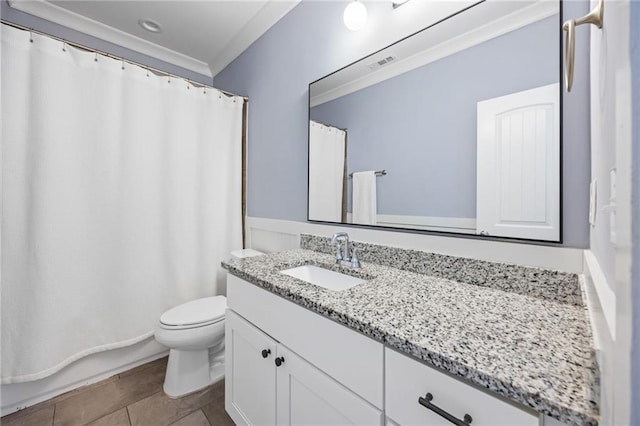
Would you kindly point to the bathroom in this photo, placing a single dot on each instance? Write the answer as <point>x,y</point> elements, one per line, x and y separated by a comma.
<point>306,41</point>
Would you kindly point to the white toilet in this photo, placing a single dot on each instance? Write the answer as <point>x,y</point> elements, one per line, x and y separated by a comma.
<point>194,333</point>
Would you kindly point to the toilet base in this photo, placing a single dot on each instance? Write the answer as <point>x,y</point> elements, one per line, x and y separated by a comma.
<point>191,371</point>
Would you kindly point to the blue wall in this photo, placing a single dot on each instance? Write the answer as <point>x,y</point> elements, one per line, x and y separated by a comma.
<point>309,43</point>
<point>426,140</point>
<point>17,17</point>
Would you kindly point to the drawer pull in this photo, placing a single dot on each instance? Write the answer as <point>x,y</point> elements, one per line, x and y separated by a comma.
<point>279,361</point>
<point>265,353</point>
<point>426,402</point>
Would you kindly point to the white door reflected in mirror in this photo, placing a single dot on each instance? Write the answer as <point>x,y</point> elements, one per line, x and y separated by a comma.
<point>518,165</point>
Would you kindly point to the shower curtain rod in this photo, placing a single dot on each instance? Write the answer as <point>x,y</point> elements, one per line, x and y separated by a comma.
<point>119,58</point>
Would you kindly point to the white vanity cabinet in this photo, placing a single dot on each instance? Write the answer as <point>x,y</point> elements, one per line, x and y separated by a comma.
<point>409,381</point>
<point>327,373</point>
<point>331,375</point>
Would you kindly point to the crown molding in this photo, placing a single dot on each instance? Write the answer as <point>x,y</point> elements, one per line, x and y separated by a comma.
<point>51,12</point>
<point>268,15</point>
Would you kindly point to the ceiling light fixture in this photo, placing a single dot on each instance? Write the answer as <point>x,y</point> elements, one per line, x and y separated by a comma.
<point>150,25</point>
<point>398,3</point>
<point>355,15</point>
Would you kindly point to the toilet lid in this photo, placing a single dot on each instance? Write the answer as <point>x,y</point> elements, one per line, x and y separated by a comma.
<point>198,311</point>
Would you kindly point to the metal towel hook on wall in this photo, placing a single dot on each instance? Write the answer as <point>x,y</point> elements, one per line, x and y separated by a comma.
<point>594,17</point>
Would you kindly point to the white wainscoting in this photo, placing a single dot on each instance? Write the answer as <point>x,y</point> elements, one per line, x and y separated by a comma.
<point>85,371</point>
<point>464,225</point>
<point>601,301</point>
<point>271,240</point>
<point>461,225</point>
<point>271,235</point>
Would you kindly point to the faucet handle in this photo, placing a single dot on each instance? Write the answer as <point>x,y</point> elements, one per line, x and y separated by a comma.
<point>355,261</point>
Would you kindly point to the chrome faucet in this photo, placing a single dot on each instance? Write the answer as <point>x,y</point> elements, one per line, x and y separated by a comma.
<point>342,252</point>
<point>335,240</point>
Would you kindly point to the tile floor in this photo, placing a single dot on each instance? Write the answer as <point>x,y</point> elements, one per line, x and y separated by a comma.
<point>132,398</point>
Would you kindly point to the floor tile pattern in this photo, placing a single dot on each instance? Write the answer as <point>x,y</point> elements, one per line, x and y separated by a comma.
<point>131,398</point>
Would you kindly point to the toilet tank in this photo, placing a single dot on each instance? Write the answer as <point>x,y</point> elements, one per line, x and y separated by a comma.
<point>241,254</point>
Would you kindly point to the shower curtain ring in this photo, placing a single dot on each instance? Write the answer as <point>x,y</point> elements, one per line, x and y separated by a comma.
<point>122,59</point>
<point>30,36</point>
<point>95,58</point>
<point>64,45</point>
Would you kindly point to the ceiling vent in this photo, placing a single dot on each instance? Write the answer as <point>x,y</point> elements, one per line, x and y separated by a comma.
<point>381,62</point>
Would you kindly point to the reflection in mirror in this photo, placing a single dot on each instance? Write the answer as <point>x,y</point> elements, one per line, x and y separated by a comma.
<point>464,117</point>
<point>327,189</point>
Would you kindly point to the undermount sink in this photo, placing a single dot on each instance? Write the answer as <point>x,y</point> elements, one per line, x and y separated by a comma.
<point>316,275</point>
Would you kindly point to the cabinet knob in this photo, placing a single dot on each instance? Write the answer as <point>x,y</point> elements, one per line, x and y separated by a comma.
<point>265,353</point>
<point>279,361</point>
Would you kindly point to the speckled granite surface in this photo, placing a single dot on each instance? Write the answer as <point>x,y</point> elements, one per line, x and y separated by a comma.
<point>542,283</point>
<point>530,349</point>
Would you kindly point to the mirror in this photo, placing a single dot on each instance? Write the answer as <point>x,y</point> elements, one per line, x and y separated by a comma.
<point>454,129</point>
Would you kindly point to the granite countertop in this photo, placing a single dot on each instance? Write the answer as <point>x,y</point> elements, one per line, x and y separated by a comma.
<point>533,348</point>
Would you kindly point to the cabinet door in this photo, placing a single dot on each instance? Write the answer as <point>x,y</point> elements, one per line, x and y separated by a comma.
<point>307,396</point>
<point>250,383</point>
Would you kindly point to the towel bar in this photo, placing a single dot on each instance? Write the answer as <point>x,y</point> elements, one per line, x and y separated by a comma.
<point>377,172</point>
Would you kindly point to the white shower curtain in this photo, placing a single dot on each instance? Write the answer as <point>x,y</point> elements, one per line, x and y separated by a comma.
<point>121,195</point>
<point>326,171</point>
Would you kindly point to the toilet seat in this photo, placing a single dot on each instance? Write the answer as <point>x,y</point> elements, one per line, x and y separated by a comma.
<point>194,314</point>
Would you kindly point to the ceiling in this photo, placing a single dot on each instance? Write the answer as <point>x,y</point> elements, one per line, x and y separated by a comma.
<point>201,35</point>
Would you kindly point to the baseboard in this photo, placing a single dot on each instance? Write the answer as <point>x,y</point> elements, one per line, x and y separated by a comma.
<point>85,371</point>
<point>270,235</point>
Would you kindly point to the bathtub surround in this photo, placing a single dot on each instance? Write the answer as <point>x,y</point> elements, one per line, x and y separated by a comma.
<point>119,188</point>
<point>533,348</point>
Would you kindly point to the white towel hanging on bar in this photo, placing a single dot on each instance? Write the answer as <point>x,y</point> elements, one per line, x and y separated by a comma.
<point>364,198</point>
